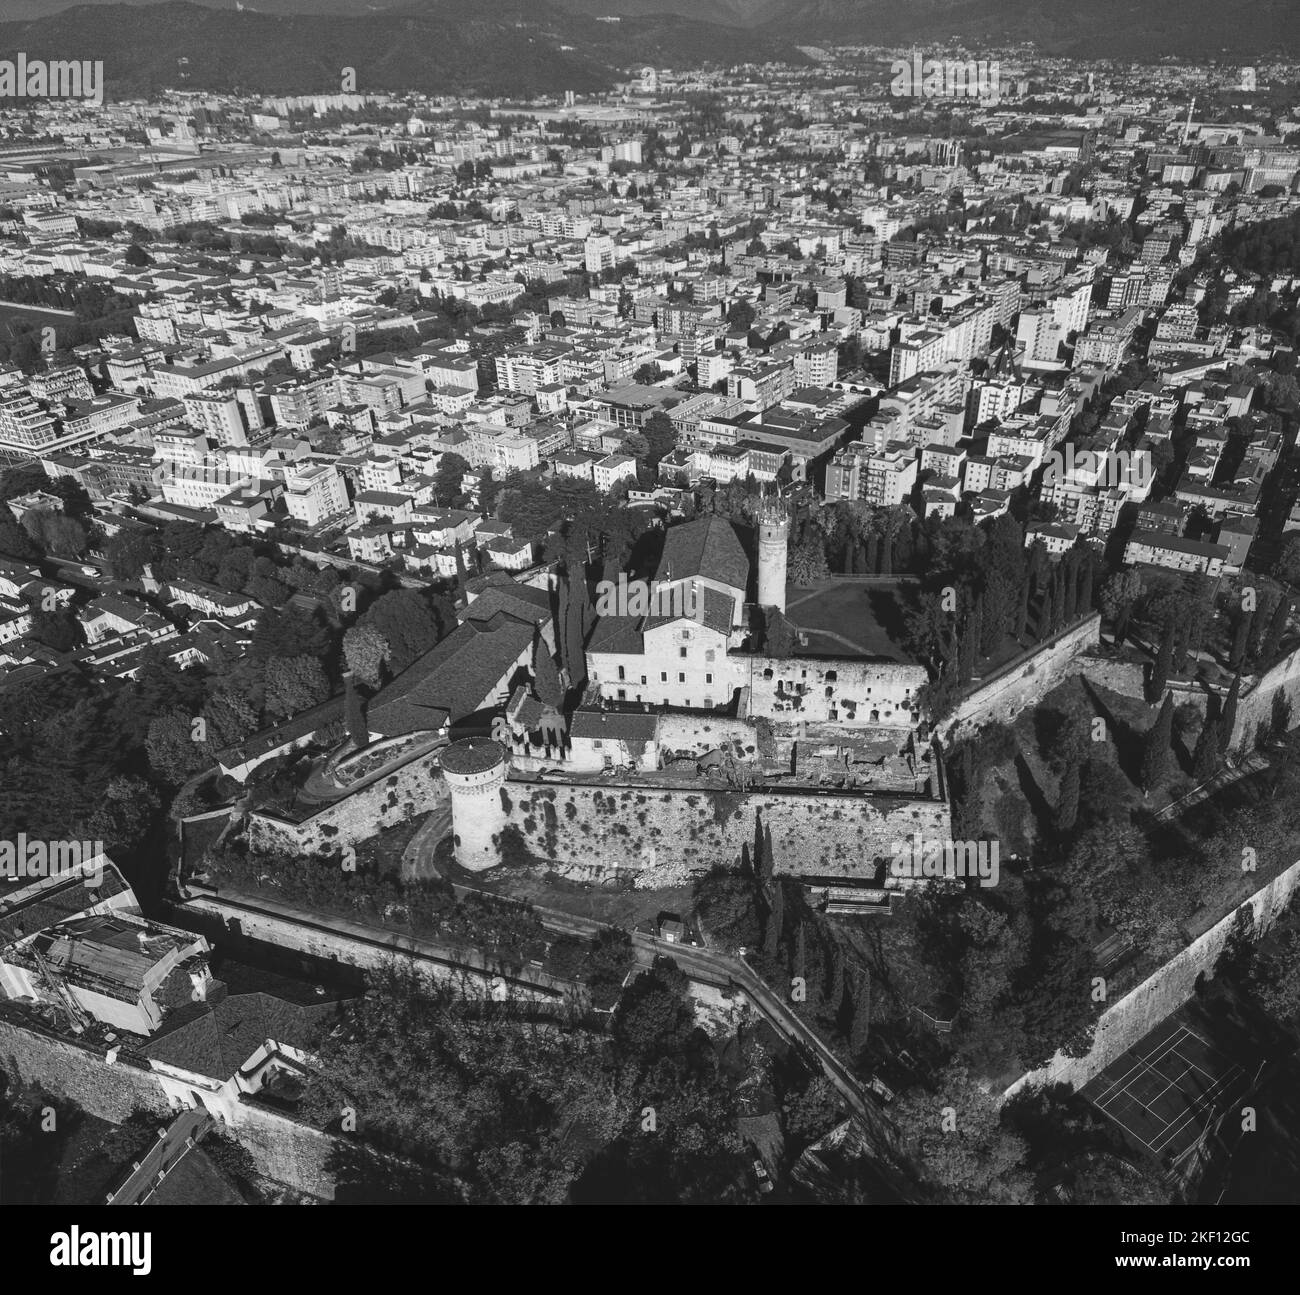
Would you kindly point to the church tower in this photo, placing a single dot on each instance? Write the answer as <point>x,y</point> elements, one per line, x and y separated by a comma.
<point>773,537</point>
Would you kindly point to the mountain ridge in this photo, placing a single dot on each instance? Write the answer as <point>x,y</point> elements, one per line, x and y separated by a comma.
<point>494,47</point>
<point>540,46</point>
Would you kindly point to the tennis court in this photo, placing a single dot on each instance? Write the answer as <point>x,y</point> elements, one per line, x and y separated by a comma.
<point>1165,1092</point>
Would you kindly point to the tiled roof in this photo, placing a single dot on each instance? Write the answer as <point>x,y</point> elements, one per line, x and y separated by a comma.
<point>452,679</point>
<point>620,634</point>
<point>49,907</point>
<point>217,1038</point>
<point>523,602</point>
<point>710,548</point>
<point>717,609</point>
<point>631,726</point>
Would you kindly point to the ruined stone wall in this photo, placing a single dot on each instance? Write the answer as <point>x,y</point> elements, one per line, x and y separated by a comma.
<point>699,734</point>
<point>1164,992</point>
<point>1127,678</point>
<point>843,692</point>
<point>596,832</point>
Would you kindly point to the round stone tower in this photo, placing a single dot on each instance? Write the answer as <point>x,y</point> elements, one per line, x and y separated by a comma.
<point>773,535</point>
<point>475,769</point>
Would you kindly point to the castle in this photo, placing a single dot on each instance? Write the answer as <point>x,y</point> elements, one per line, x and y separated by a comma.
<point>707,662</point>
<point>727,702</point>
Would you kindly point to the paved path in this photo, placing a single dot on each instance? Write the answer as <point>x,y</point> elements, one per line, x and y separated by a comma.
<point>417,858</point>
<point>1254,763</point>
<point>174,1143</point>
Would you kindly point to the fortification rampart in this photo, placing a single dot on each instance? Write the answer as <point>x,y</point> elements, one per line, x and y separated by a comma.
<point>1163,992</point>
<point>599,832</point>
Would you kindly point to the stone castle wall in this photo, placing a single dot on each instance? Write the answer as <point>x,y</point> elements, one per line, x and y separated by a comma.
<point>283,1150</point>
<point>335,939</point>
<point>866,694</point>
<point>1128,1021</point>
<point>1127,678</point>
<point>597,832</point>
<point>1256,706</point>
<point>1011,690</point>
<point>415,788</point>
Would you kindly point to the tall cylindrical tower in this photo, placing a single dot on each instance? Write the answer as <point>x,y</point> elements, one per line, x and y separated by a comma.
<point>475,769</point>
<point>773,535</point>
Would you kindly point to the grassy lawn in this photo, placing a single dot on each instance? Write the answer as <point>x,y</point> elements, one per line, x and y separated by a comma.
<point>868,615</point>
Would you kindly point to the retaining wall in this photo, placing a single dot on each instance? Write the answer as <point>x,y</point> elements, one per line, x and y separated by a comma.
<point>597,832</point>
<point>1128,1021</point>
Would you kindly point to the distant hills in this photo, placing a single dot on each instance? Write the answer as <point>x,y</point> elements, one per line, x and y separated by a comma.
<point>529,47</point>
<point>1083,28</point>
<point>497,47</point>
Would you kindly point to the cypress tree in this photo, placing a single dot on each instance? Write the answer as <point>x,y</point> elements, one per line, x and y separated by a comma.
<point>354,713</point>
<point>1228,720</point>
<point>546,679</point>
<point>1157,751</point>
<point>1181,646</point>
<point>1059,583</point>
<point>562,619</point>
<point>1205,759</point>
<point>1264,610</point>
<point>1276,628</point>
<point>462,576</point>
<point>1021,623</point>
<point>1160,671</point>
<point>1121,623</point>
<point>1084,605</point>
<point>1240,641</point>
<point>1042,625</point>
<point>993,614</point>
<point>1070,587</point>
<point>771,934</point>
<point>967,650</point>
<point>776,918</point>
<point>577,618</point>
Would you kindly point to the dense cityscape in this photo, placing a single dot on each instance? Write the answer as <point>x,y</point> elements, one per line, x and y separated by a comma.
<point>730,637</point>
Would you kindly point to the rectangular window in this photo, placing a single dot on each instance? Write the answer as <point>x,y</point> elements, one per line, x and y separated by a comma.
<point>681,678</point>
<point>622,694</point>
<point>663,677</point>
<point>683,653</point>
<point>708,678</point>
